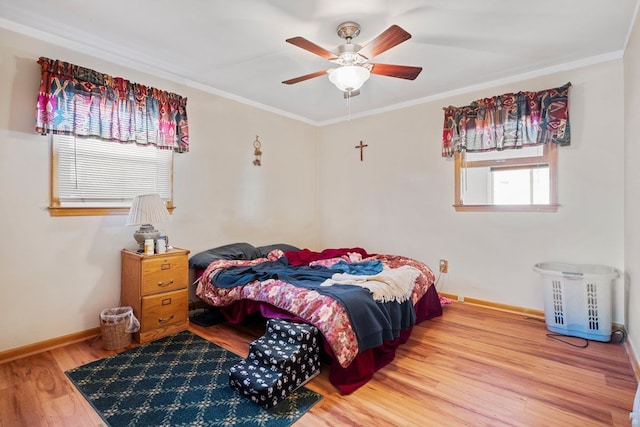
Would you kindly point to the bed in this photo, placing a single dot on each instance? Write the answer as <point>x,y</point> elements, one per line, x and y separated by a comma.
<point>365,305</point>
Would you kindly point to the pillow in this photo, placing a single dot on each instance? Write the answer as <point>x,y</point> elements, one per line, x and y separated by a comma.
<point>264,250</point>
<point>238,251</point>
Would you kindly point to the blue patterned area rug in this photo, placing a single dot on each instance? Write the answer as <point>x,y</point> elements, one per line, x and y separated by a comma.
<point>180,380</point>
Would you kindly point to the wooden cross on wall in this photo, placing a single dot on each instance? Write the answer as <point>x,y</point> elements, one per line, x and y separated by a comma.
<point>361,147</point>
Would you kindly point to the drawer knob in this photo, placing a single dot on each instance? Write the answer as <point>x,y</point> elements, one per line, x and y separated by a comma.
<point>165,284</point>
<point>165,319</point>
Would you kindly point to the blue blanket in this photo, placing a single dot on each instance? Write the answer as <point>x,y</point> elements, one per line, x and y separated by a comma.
<point>369,268</point>
<point>373,322</point>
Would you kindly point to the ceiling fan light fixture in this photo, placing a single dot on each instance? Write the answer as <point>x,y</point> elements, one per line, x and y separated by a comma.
<point>349,77</point>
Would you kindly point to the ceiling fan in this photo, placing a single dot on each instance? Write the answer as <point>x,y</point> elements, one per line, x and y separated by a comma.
<point>353,60</point>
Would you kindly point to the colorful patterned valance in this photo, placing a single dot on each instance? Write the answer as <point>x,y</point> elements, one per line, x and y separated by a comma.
<point>512,120</point>
<point>85,103</point>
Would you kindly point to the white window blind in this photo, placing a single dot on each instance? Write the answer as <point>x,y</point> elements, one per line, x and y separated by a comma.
<point>95,173</point>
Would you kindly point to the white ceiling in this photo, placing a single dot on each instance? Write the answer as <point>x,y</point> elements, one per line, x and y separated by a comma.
<point>237,48</point>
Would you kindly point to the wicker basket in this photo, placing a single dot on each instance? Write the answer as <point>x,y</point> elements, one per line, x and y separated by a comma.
<point>113,325</point>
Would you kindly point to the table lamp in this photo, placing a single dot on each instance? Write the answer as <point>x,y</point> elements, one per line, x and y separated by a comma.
<point>146,210</point>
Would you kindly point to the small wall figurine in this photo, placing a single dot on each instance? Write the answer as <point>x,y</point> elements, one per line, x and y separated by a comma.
<point>258,153</point>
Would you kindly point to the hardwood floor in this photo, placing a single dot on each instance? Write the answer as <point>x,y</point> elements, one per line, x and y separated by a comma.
<point>473,366</point>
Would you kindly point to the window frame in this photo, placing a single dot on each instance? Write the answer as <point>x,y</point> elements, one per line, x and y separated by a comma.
<point>549,156</point>
<point>55,206</point>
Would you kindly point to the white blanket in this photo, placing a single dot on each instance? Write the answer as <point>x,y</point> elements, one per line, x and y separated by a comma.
<point>392,284</point>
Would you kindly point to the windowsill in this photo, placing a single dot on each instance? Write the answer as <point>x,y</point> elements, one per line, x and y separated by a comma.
<point>62,211</point>
<point>506,208</point>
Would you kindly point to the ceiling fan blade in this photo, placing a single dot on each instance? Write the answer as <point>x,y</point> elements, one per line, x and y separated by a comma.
<point>305,77</point>
<point>399,71</point>
<point>392,36</point>
<point>311,47</point>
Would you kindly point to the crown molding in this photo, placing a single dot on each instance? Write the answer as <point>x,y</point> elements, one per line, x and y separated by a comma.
<point>114,54</point>
<point>567,66</point>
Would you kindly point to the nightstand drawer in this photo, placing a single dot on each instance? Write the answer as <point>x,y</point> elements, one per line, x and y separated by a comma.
<point>156,287</point>
<point>164,274</point>
<point>164,309</point>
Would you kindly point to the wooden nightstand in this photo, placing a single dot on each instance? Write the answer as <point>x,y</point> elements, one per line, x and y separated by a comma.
<point>156,287</point>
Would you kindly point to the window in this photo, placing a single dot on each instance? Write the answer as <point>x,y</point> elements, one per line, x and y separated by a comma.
<point>505,150</point>
<point>510,180</point>
<point>95,177</point>
<point>113,139</point>
<point>520,185</point>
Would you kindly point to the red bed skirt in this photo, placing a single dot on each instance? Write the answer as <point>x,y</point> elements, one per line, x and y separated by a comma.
<point>361,370</point>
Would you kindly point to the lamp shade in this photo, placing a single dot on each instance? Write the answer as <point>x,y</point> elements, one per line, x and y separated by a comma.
<point>147,209</point>
<point>349,77</point>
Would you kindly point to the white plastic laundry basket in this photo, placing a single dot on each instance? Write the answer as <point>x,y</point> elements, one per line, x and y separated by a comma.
<point>577,299</point>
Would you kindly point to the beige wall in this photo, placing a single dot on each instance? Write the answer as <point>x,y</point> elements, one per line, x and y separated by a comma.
<point>313,191</point>
<point>632,182</point>
<point>399,199</point>
<point>59,273</point>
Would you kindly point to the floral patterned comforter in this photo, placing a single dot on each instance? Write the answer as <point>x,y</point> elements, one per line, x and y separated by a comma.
<point>322,311</point>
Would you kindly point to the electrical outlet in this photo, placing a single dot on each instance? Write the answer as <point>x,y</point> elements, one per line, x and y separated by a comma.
<point>444,266</point>
<point>460,298</point>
